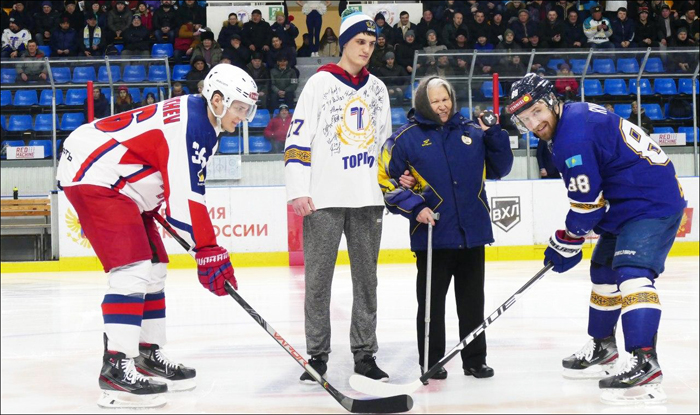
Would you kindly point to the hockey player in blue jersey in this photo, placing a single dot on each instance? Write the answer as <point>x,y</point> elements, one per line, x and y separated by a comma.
<point>622,186</point>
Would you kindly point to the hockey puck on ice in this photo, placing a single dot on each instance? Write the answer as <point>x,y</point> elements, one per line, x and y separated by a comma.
<point>489,118</point>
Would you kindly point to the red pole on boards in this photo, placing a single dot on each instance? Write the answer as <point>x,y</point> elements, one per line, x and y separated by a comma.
<point>90,103</point>
<point>496,93</point>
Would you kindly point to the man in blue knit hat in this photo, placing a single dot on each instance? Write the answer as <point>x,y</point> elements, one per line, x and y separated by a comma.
<point>340,122</point>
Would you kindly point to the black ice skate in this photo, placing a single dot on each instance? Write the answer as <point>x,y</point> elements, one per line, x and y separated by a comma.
<point>153,363</point>
<point>594,361</point>
<point>368,367</point>
<point>319,365</point>
<point>123,387</point>
<point>637,381</point>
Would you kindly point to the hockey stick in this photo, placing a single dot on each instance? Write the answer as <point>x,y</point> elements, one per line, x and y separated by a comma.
<point>392,404</point>
<point>373,387</point>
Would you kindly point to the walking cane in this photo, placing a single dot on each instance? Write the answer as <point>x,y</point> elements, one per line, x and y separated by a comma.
<point>428,277</point>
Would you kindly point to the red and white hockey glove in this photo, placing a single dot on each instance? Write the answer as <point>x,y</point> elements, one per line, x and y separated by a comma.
<point>563,251</point>
<point>214,269</point>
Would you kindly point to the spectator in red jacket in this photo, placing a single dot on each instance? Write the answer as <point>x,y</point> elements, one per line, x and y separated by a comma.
<point>276,130</point>
<point>566,87</point>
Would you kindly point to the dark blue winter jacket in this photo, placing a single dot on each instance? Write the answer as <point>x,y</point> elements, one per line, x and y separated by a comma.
<point>451,164</point>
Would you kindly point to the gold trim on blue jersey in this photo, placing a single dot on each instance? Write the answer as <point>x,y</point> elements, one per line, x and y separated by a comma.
<point>296,154</point>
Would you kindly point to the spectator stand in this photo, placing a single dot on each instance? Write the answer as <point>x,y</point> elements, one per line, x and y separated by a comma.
<point>43,101</point>
<point>646,71</point>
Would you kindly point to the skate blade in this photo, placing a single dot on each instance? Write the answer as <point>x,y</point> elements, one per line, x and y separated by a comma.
<point>175,385</point>
<point>116,399</point>
<point>638,395</point>
<point>593,372</point>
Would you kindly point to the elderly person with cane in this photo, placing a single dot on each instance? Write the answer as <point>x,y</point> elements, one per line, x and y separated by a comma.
<point>449,156</point>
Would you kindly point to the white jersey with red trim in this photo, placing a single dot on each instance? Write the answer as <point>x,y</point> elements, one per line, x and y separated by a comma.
<point>152,154</point>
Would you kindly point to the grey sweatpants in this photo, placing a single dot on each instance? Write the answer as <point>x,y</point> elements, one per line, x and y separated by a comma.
<point>322,232</point>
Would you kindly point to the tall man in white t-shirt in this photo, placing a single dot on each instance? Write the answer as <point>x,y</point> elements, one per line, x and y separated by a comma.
<point>340,122</point>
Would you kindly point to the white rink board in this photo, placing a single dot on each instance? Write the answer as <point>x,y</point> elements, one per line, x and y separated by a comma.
<point>254,219</point>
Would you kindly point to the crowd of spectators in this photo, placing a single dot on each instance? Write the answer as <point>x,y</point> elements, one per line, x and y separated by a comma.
<point>269,53</point>
<point>525,25</point>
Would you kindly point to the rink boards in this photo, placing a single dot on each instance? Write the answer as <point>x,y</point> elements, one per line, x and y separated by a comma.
<point>253,223</point>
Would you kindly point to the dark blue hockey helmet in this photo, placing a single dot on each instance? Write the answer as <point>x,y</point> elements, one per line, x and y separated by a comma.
<point>527,91</point>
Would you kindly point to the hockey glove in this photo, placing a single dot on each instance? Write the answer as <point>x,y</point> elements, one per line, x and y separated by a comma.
<point>214,269</point>
<point>563,251</point>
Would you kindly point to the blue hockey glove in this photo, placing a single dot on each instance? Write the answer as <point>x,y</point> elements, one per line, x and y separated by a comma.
<point>563,251</point>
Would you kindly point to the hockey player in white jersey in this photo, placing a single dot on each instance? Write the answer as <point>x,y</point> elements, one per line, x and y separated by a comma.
<point>117,172</point>
<point>340,122</point>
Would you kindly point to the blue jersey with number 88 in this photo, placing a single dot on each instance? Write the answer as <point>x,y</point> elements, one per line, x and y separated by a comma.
<point>614,172</point>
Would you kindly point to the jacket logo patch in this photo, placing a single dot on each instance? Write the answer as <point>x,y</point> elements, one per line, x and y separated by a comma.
<point>466,139</point>
<point>505,212</point>
<point>426,143</point>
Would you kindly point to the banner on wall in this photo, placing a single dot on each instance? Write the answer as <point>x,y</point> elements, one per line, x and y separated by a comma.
<point>217,14</point>
<point>244,219</point>
<point>254,219</point>
<point>391,11</point>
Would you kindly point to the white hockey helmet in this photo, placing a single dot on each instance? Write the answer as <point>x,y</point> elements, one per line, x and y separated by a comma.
<point>234,84</point>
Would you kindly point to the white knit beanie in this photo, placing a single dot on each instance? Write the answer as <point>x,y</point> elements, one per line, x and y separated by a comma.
<point>353,24</point>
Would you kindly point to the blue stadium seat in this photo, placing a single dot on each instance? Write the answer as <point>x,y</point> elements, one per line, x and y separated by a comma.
<point>162,49</point>
<point>5,97</point>
<point>553,64</point>
<point>72,120</point>
<point>19,123</point>
<point>663,130</point>
<point>42,122</point>
<point>82,74</point>
<point>665,86</point>
<point>409,91</point>
<point>61,75</point>
<point>119,48</point>
<point>43,143</point>
<point>157,73</point>
<point>689,133</point>
<point>230,144</point>
<point>261,119</point>
<point>577,66</point>
<point>3,123</point>
<point>592,87</point>
<point>627,65</point>
<point>614,87</point>
<point>487,89</point>
<point>685,86</point>
<point>26,98</point>
<point>398,116</point>
<point>653,111</point>
<point>14,143</point>
<point>8,75</point>
<point>623,110</point>
<point>47,94</point>
<point>103,77</point>
<point>466,112</point>
<point>46,50</point>
<point>606,66</point>
<point>259,144</point>
<point>180,72</point>
<point>155,92</point>
<point>654,65</point>
<point>668,114</point>
<point>76,97</point>
<point>135,94</point>
<point>644,84</point>
<point>106,92</point>
<point>134,73</point>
